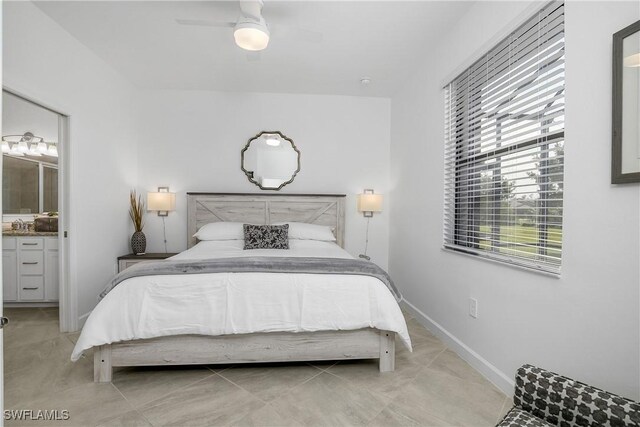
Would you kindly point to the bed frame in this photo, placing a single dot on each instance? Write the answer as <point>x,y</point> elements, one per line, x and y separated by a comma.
<point>203,208</point>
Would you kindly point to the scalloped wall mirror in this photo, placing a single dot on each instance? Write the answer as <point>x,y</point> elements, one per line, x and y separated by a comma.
<point>270,160</point>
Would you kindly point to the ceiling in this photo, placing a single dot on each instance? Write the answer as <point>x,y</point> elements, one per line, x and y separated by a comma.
<point>383,40</point>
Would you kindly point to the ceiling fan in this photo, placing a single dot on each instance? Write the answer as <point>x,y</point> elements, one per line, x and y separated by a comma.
<point>251,31</point>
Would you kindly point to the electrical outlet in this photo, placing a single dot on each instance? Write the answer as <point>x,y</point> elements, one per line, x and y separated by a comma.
<point>473,308</point>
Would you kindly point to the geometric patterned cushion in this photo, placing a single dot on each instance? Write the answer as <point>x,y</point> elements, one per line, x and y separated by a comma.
<point>564,402</point>
<point>519,418</point>
<point>266,236</point>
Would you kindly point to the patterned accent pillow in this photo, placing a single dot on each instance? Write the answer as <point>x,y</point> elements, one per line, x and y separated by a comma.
<point>266,236</point>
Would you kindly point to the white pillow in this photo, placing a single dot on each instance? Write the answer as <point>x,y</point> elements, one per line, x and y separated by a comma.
<point>304,231</point>
<point>221,231</point>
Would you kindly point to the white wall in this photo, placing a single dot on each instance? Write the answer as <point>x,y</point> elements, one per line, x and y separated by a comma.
<point>48,65</point>
<point>191,141</point>
<point>585,324</point>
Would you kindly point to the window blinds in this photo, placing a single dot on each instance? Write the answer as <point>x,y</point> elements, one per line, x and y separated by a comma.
<point>504,148</point>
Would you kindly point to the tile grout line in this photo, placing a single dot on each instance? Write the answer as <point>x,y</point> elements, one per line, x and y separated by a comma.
<point>458,378</point>
<point>241,388</point>
<point>269,403</point>
<point>296,386</point>
<point>423,368</point>
<point>323,369</point>
<point>384,398</point>
<point>259,398</point>
<point>142,405</point>
<point>130,404</point>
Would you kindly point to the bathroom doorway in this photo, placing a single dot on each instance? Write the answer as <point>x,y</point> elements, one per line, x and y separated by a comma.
<point>35,287</point>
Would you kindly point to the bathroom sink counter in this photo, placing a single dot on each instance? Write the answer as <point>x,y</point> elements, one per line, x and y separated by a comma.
<point>16,233</point>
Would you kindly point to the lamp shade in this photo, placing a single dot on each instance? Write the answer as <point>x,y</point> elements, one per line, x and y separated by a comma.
<point>369,202</point>
<point>161,201</point>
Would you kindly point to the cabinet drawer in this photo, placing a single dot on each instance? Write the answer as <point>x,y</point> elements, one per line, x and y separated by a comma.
<point>31,288</point>
<point>31,262</point>
<point>9,243</point>
<point>31,243</point>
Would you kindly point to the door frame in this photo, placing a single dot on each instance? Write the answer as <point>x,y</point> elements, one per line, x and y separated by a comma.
<point>68,292</point>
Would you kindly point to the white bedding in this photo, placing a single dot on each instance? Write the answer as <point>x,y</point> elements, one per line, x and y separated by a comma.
<point>237,303</point>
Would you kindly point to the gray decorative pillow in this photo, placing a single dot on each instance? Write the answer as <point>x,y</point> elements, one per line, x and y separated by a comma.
<point>266,236</point>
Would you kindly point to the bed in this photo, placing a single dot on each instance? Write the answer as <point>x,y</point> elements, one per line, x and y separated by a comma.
<point>247,317</point>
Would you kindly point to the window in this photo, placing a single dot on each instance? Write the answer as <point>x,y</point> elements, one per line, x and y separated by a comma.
<point>504,148</point>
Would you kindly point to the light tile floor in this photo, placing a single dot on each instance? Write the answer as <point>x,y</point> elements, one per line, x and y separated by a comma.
<point>430,387</point>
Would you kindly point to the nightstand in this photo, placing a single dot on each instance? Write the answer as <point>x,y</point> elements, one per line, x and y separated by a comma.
<point>126,261</point>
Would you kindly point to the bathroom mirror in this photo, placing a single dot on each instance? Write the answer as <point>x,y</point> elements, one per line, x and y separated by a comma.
<point>270,160</point>
<point>30,157</point>
<point>625,161</point>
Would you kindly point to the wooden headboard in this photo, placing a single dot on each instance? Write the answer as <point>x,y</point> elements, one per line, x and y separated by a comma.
<point>251,208</point>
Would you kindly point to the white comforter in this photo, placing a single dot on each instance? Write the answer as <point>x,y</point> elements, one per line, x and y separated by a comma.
<point>240,303</point>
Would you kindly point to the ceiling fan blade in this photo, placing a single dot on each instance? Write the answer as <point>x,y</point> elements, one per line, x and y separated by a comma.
<point>205,23</point>
<point>253,56</point>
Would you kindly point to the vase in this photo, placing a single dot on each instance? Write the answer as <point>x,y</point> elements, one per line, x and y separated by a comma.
<point>138,243</point>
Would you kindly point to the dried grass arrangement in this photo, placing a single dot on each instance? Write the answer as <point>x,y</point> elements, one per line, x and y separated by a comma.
<point>136,211</point>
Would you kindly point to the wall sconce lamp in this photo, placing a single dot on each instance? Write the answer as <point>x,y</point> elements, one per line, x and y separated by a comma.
<point>368,203</point>
<point>162,201</point>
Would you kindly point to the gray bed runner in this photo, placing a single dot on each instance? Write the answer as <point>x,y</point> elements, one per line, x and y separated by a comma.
<point>303,265</point>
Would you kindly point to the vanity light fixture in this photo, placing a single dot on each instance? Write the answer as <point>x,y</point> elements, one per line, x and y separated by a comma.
<point>368,203</point>
<point>28,143</point>
<point>42,148</point>
<point>52,150</point>
<point>250,34</point>
<point>33,150</point>
<point>21,147</point>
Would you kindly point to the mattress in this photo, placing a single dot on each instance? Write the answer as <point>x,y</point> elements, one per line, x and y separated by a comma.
<point>240,303</point>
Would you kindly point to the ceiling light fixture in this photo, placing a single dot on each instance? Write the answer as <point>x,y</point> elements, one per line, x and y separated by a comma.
<point>251,35</point>
<point>365,81</point>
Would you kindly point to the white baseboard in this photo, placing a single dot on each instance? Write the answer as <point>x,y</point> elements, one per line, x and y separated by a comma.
<point>82,319</point>
<point>29,304</point>
<point>504,382</point>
